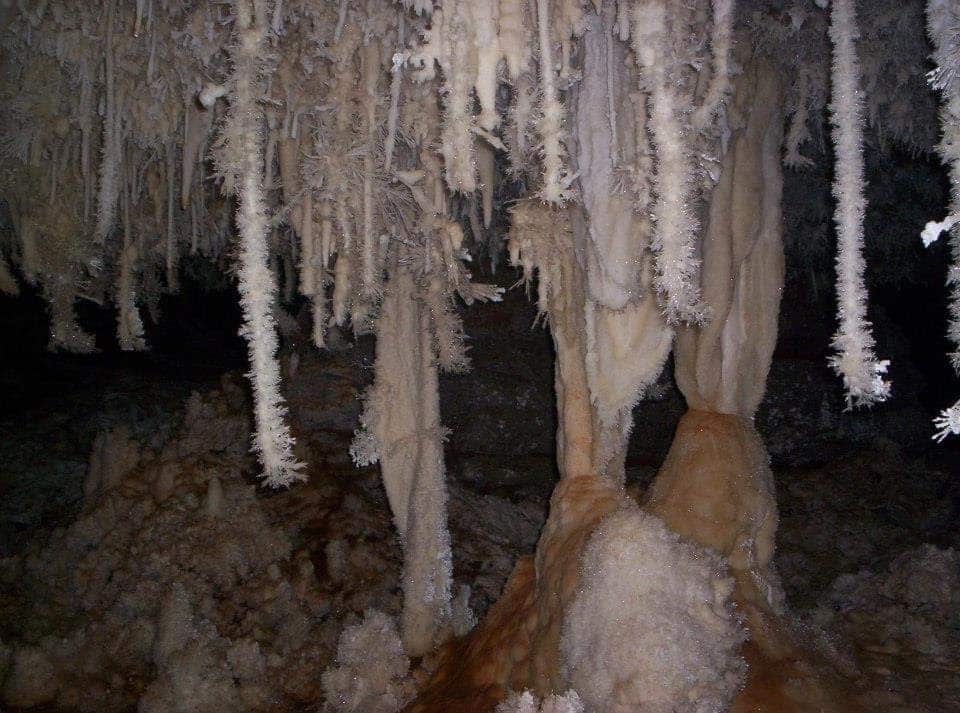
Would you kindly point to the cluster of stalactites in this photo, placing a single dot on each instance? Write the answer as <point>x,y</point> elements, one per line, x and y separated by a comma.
<point>373,115</point>
<point>479,45</point>
<point>100,127</point>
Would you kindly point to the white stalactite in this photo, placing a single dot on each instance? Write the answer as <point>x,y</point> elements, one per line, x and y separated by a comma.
<point>170,248</point>
<point>258,290</point>
<point>943,28</point>
<point>556,179</point>
<point>370,263</point>
<point>111,158</point>
<point>129,325</point>
<point>486,17</point>
<point>722,45</point>
<point>513,37</point>
<point>675,258</point>
<point>308,269</point>
<point>458,121</point>
<point>396,81</point>
<point>400,429</point>
<point>342,279</point>
<point>855,360</point>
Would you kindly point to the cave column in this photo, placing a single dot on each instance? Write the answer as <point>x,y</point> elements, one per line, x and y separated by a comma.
<point>715,486</point>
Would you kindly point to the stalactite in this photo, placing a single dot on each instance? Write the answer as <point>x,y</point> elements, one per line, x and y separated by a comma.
<point>798,132</point>
<point>270,152</point>
<point>319,330</point>
<point>170,247</point>
<point>722,39</point>
<point>111,152</point>
<point>138,21</point>
<point>612,75</point>
<point>521,119</point>
<point>308,270</point>
<point>943,29</point>
<point>8,285</point>
<point>677,266</point>
<point>129,325</point>
<point>369,264</point>
<point>342,273</point>
<point>514,37</point>
<point>86,110</point>
<point>152,58</point>
<point>458,122</point>
<point>428,573</point>
<point>30,263</point>
<point>244,134</point>
<point>487,169</point>
<point>196,126</point>
<point>556,180</point>
<point>327,243</point>
<point>289,272</point>
<point>486,36</point>
<point>341,20</point>
<point>396,81</point>
<point>65,333</point>
<point>337,161</point>
<point>855,360</point>
<point>194,229</point>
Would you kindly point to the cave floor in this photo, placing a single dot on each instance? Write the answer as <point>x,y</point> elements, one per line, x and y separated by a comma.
<point>867,546</point>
